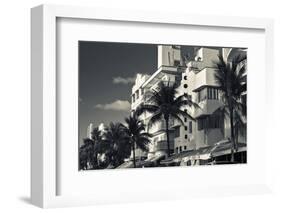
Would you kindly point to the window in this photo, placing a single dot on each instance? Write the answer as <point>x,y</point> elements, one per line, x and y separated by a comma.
<point>185,136</point>
<point>185,119</point>
<point>169,58</point>
<point>190,127</point>
<point>177,149</point>
<point>177,132</point>
<point>213,93</point>
<point>185,128</point>
<point>184,147</point>
<point>180,148</point>
<point>142,91</point>
<point>210,122</point>
<point>133,98</point>
<point>185,86</point>
<point>176,63</point>
<point>185,110</point>
<point>185,77</point>
<point>208,93</point>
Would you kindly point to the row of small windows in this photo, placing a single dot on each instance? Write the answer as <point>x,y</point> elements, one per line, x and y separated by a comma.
<point>185,85</point>
<point>208,93</point>
<point>180,148</point>
<point>137,94</point>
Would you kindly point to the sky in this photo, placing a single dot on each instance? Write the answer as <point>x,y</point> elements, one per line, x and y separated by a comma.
<point>106,75</point>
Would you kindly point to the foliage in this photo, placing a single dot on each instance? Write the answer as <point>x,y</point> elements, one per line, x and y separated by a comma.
<point>138,138</point>
<point>117,144</point>
<point>165,104</point>
<point>230,76</point>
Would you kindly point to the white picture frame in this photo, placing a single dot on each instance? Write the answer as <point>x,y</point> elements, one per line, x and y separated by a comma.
<point>44,98</point>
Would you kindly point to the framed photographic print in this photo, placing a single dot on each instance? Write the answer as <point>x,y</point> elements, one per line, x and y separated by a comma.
<point>147,105</point>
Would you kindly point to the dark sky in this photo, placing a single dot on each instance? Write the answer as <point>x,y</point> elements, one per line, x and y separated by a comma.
<point>106,74</point>
<point>99,64</point>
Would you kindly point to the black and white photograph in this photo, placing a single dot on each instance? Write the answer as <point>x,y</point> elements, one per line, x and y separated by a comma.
<point>161,105</point>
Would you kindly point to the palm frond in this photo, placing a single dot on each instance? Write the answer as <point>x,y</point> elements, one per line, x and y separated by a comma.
<point>157,117</point>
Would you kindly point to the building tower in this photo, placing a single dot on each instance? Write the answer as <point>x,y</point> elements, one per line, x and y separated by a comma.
<point>90,129</point>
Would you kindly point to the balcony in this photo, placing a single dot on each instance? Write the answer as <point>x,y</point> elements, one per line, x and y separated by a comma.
<point>137,102</point>
<point>205,77</point>
<point>207,107</point>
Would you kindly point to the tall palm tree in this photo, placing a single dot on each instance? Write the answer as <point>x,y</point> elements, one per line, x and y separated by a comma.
<point>231,81</point>
<point>117,143</point>
<point>164,104</point>
<point>135,129</point>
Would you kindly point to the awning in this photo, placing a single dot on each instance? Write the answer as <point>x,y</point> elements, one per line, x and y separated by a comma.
<point>203,153</point>
<point>176,158</point>
<point>128,164</point>
<point>152,160</point>
<point>222,147</point>
<point>225,149</point>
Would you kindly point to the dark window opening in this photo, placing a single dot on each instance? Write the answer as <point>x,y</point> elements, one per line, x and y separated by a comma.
<point>190,127</point>
<point>208,93</point>
<point>177,132</point>
<point>210,122</point>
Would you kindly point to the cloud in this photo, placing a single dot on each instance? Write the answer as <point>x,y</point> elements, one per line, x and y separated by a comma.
<point>118,105</point>
<point>121,80</point>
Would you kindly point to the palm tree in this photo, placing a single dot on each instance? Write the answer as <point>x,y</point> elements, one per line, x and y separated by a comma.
<point>240,127</point>
<point>231,81</point>
<point>135,129</point>
<point>86,154</point>
<point>98,145</point>
<point>164,104</point>
<point>117,143</point>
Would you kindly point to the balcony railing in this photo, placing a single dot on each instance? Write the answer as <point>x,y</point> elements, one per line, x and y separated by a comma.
<point>205,77</point>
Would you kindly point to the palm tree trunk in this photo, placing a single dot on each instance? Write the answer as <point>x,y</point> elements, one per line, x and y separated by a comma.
<point>134,155</point>
<point>168,137</point>
<point>232,135</point>
<point>236,139</point>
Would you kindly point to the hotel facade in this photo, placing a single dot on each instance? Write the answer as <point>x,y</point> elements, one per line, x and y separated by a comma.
<point>194,76</point>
